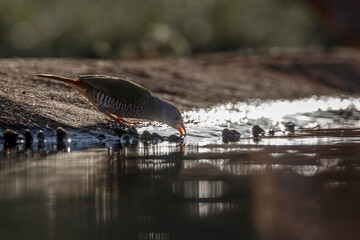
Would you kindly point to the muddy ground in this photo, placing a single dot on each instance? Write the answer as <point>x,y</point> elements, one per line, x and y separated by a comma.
<point>199,81</point>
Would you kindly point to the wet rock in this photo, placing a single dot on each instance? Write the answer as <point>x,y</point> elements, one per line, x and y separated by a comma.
<point>10,138</point>
<point>119,131</point>
<point>101,136</point>
<point>174,138</point>
<point>60,133</point>
<point>289,127</point>
<point>133,132</point>
<point>28,138</point>
<point>125,139</point>
<point>157,136</point>
<point>271,132</point>
<point>230,135</point>
<point>146,135</point>
<point>257,131</point>
<point>128,140</point>
<point>41,135</point>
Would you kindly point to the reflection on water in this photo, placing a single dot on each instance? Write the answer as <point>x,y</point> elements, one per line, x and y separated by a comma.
<point>199,189</point>
<point>154,192</point>
<point>304,185</point>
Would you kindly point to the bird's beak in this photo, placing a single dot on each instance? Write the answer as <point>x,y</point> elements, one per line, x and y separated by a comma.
<point>181,129</point>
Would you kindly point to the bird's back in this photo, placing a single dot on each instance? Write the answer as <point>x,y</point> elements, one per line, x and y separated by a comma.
<point>118,88</point>
<point>119,96</point>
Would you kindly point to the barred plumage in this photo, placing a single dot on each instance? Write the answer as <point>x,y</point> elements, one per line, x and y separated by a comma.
<point>139,110</point>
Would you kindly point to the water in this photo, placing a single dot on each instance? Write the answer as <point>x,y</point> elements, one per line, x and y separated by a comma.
<point>300,185</point>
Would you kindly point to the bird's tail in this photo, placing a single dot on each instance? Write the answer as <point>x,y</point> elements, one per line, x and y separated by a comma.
<point>70,81</point>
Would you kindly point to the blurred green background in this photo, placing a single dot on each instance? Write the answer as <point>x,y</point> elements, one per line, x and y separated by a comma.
<point>153,28</point>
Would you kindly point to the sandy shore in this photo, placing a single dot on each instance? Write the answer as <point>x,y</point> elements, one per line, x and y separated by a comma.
<point>199,81</point>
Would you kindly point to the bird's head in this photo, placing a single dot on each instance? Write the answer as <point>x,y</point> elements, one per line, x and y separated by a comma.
<point>170,115</point>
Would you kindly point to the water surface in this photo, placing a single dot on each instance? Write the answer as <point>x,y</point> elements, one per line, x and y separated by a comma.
<point>301,184</point>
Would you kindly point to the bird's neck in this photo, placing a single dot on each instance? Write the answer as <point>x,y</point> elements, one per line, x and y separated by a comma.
<point>159,113</point>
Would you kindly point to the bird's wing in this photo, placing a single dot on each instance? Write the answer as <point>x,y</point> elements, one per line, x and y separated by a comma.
<point>118,88</point>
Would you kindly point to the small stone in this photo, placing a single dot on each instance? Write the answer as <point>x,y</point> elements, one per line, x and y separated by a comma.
<point>128,141</point>
<point>41,135</point>
<point>28,136</point>
<point>146,135</point>
<point>289,127</point>
<point>271,132</point>
<point>101,136</point>
<point>157,136</point>
<point>257,131</point>
<point>125,139</point>
<point>230,135</point>
<point>133,132</point>
<point>60,133</point>
<point>10,138</point>
<point>174,138</point>
<point>119,131</point>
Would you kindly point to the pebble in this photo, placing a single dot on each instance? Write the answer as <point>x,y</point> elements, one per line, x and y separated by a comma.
<point>157,136</point>
<point>289,127</point>
<point>146,135</point>
<point>101,136</point>
<point>126,139</point>
<point>133,132</point>
<point>271,132</point>
<point>119,131</point>
<point>10,138</point>
<point>41,135</point>
<point>174,138</point>
<point>230,135</point>
<point>257,131</point>
<point>60,133</point>
<point>28,138</point>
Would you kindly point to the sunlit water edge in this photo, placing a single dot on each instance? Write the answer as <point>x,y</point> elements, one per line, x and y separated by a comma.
<point>204,126</point>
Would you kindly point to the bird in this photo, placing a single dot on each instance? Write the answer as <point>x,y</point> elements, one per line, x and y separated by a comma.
<point>120,99</point>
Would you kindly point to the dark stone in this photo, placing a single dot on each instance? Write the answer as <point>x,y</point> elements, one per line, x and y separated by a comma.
<point>174,138</point>
<point>157,136</point>
<point>128,141</point>
<point>60,133</point>
<point>101,136</point>
<point>10,138</point>
<point>28,138</point>
<point>271,132</point>
<point>119,131</point>
<point>257,131</point>
<point>146,135</point>
<point>133,132</point>
<point>289,127</point>
<point>230,135</point>
<point>41,135</point>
